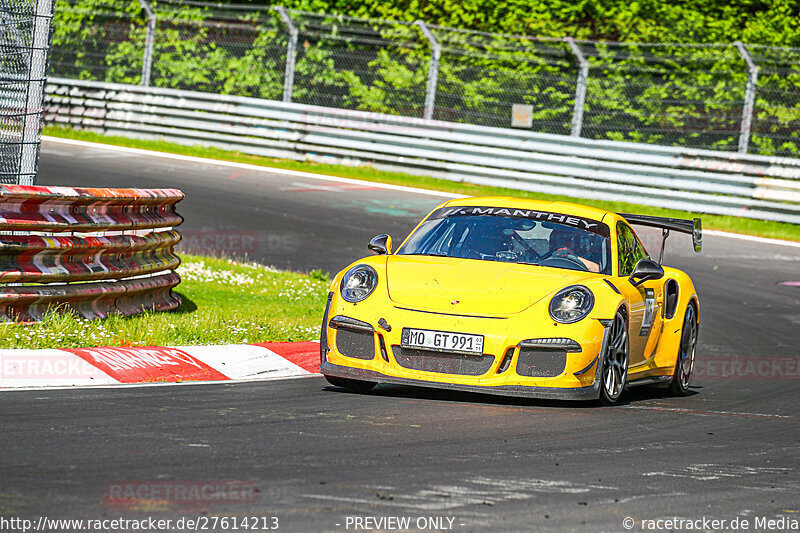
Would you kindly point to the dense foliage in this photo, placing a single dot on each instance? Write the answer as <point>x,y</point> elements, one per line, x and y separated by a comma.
<point>767,22</point>
<point>656,93</point>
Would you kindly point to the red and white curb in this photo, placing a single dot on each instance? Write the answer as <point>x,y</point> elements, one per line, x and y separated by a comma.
<point>80,367</point>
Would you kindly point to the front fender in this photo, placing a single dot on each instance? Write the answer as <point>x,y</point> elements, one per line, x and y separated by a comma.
<point>607,300</point>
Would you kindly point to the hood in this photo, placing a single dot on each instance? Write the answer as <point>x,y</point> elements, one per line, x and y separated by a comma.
<point>482,288</point>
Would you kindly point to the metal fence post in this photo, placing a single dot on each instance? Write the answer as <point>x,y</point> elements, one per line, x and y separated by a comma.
<point>149,43</point>
<point>580,87</point>
<point>291,53</point>
<point>749,97</point>
<point>433,68</point>
<point>34,94</point>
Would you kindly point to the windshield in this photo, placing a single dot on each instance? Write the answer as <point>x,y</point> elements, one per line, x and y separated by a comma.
<point>514,236</point>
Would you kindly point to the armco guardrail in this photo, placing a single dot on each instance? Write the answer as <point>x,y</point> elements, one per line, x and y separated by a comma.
<point>93,251</point>
<point>695,180</point>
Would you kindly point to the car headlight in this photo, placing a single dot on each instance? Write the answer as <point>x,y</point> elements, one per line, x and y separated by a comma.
<point>358,283</point>
<point>571,304</point>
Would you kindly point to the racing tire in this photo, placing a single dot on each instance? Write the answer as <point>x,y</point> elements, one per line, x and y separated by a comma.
<point>614,372</point>
<point>684,364</point>
<point>354,385</point>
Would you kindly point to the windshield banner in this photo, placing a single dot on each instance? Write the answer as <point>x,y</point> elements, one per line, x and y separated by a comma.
<point>543,216</point>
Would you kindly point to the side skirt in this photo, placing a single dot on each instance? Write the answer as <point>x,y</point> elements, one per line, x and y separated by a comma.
<point>653,380</point>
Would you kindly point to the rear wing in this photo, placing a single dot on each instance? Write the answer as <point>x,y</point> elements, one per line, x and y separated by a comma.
<point>693,227</point>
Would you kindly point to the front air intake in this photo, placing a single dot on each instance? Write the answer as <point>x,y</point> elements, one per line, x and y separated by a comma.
<point>442,362</point>
<point>541,363</point>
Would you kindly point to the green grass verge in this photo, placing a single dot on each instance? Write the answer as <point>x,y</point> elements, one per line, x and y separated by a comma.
<point>224,302</point>
<point>761,228</point>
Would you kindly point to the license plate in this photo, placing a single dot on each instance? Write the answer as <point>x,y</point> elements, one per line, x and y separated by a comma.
<point>444,341</point>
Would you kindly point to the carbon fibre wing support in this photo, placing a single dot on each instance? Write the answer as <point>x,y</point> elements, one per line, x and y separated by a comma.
<point>693,227</point>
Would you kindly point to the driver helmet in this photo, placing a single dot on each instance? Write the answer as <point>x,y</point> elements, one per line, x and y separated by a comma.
<point>491,238</point>
<point>564,237</point>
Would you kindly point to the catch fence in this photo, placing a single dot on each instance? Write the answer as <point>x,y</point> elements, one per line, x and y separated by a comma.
<point>729,97</point>
<point>24,44</point>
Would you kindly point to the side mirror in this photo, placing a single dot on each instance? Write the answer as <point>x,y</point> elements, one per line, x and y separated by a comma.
<point>697,234</point>
<point>645,270</point>
<point>381,244</point>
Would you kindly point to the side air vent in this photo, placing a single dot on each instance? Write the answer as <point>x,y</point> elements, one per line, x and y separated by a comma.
<point>671,300</point>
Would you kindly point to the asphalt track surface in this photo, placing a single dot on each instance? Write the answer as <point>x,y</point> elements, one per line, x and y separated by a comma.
<point>318,455</point>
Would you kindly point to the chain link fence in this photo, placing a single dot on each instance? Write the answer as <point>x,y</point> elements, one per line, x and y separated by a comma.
<point>776,116</point>
<point>689,95</point>
<point>24,43</point>
<point>731,97</point>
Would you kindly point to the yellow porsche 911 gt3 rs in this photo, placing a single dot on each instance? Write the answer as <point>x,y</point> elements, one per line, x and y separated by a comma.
<point>515,297</point>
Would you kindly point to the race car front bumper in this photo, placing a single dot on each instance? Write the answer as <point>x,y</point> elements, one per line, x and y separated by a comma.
<point>523,356</point>
<point>557,393</point>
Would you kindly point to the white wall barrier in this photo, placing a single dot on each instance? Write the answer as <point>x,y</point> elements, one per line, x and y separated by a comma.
<point>703,181</point>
